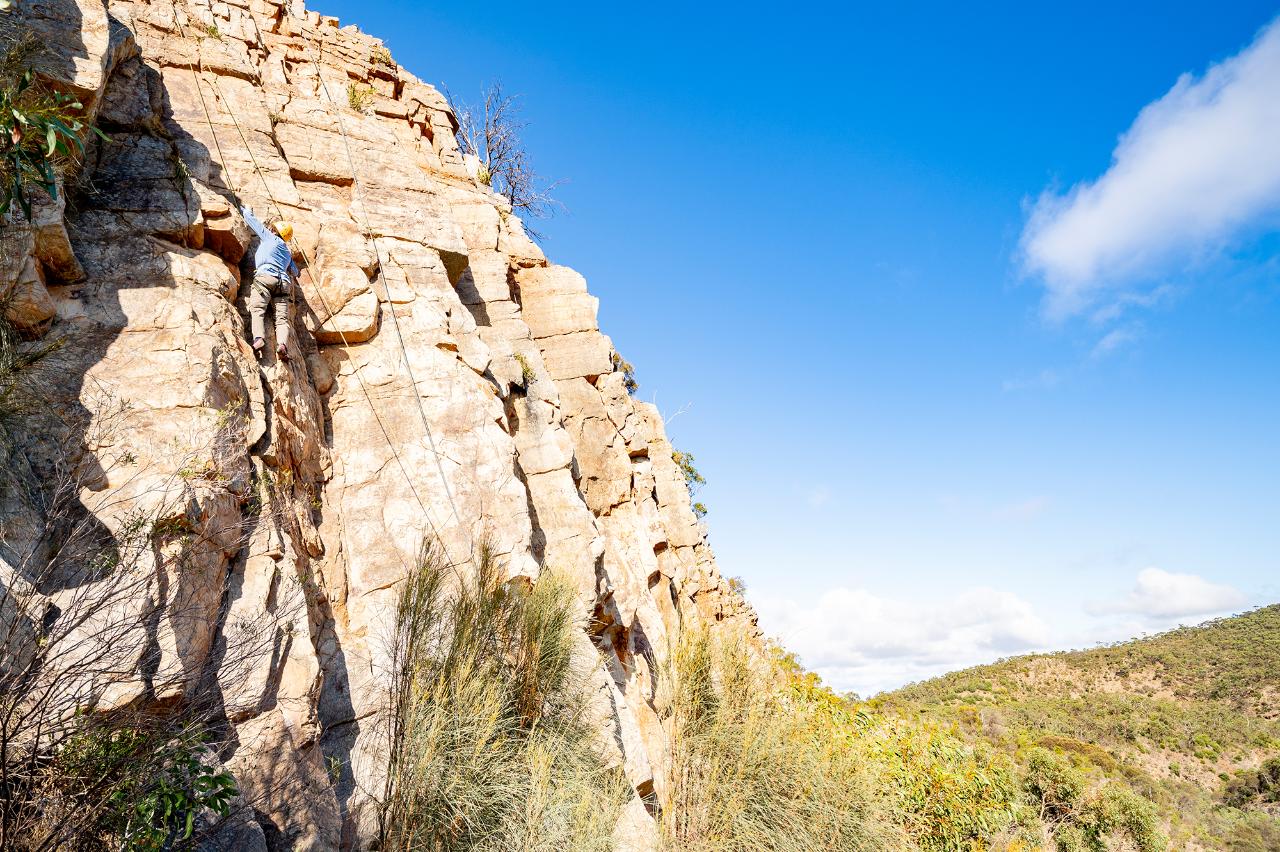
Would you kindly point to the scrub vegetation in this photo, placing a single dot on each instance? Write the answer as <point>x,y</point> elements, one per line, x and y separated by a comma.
<point>488,749</point>
<point>1185,721</point>
<point>40,129</point>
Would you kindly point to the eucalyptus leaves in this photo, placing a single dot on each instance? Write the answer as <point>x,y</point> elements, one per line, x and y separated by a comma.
<point>39,128</point>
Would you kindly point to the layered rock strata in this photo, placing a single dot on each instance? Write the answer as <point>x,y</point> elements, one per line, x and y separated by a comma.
<point>446,382</point>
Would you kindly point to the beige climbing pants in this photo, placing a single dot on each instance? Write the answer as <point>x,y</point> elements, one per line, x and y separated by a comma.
<point>267,289</point>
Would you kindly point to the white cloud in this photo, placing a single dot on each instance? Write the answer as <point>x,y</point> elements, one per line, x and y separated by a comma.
<point>1197,167</point>
<point>862,642</point>
<point>1040,381</point>
<point>1113,340</point>
<point>1164,595</point>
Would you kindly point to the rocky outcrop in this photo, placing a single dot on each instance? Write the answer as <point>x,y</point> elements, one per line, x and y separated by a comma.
<point>446,381</point>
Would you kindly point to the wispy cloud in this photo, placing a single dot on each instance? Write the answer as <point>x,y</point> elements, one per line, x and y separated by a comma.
<point>1117,338</point>
<point>1198,167</point>
<point>1023,510</point>
<point>977,508</point>
<point>1042,380</point>
<point>859,641</point>
<point>818,497</point>
<point>1162,595</point>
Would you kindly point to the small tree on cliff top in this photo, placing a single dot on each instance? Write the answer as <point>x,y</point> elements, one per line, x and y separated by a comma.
<point>492,131</point>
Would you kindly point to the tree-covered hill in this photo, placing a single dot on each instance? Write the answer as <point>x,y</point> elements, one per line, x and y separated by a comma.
<point>1189,719</point>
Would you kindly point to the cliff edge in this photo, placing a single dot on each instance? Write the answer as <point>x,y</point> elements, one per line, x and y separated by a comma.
<point>446,383</point>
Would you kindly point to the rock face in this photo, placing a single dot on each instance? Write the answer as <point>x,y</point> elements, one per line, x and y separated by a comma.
<point>446,381</point>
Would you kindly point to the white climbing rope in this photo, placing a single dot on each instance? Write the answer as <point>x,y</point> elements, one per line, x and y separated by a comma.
<point>395,320</point>
<point>280,212</point>
<point>360,195</point>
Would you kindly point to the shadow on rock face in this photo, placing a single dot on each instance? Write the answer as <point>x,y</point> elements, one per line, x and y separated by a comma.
<point>142,454</point>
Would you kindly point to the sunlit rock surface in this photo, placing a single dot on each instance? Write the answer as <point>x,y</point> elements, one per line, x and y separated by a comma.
<point>446,381</point>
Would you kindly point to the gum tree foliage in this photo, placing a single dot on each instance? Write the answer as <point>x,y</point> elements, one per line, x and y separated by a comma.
<point>39,128</point>
<point>692,478</point>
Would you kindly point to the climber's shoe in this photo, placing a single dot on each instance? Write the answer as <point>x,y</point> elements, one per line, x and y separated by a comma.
<point>258,345</point>
<point>282,352</point>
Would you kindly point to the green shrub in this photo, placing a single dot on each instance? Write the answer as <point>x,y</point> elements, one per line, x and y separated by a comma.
<point>692,477</point>
<point>1118,812</point>
<point>693,480</point>
<point>117,783</point>
<point>1095,754</point>
<point>487,751</point>
<point>950,796</point>
<point>39,127</point>
<point>763,761</point>
<point>382,56</point>
<point>527,374</point>
<point>622,365</point>
<point>359,98</point>
<point>1084,821</point>
<point>1054,786</point>
<point>1254,786</point>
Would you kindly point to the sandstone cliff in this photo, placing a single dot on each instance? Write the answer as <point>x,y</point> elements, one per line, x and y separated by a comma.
<point>446,381</point>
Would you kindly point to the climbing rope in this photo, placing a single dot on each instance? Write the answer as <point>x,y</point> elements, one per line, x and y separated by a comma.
<point>280,212</point>
<point>360,194</point>
<point>395,320</point>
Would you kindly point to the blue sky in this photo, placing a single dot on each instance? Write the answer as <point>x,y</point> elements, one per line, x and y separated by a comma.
<point>966,376</point>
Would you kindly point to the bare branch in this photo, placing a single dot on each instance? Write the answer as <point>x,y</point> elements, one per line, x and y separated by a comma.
<point>492,132</point>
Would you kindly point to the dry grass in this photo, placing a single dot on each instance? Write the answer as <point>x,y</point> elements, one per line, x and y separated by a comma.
<point>487,749</point>
<point>760,765</point>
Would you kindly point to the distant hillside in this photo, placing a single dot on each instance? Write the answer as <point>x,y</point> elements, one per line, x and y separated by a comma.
<point>1189,719</point>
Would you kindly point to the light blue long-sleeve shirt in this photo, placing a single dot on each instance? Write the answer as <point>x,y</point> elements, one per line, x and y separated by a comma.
<point>273,256</point>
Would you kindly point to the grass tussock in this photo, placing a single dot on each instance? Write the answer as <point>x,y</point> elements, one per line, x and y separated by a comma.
<point>488,750</point>
<point>759,763</point>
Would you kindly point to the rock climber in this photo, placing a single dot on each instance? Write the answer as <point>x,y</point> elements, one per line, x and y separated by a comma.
<point>274,277</point>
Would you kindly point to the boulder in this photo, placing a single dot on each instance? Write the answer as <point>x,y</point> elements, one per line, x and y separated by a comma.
<point>356,322</point>
<point>77,37</point>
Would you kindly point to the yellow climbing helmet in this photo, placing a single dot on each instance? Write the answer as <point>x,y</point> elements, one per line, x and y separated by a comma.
<point>284,229</point>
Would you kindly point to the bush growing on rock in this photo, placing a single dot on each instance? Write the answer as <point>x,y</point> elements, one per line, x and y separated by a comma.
<point>39,127</point>
<point>487,746</point>
<point>622,365</point>
<point>359,97</point>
